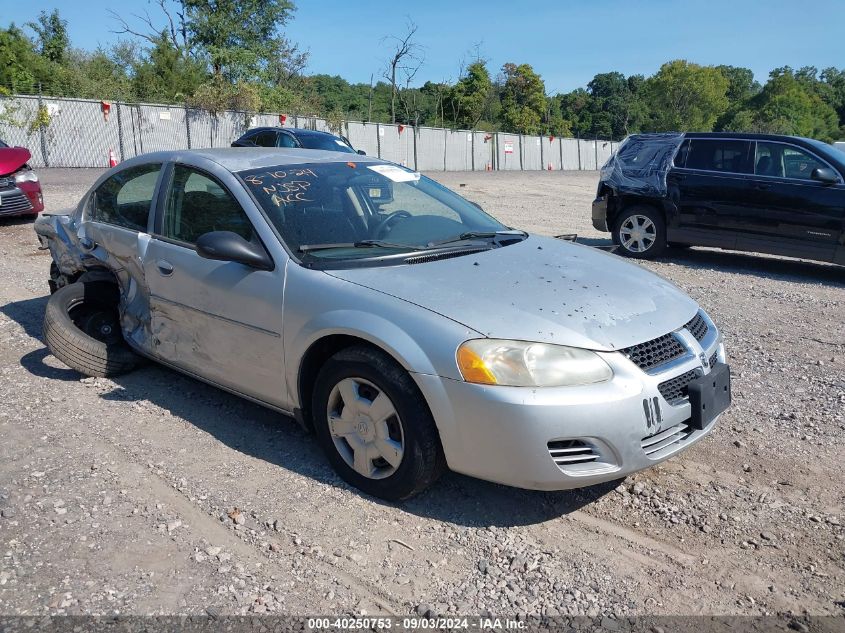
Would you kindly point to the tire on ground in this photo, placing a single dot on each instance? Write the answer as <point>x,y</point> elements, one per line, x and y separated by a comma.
<point>108,355</point>
<point>657,247</point>
<point>423,460</point>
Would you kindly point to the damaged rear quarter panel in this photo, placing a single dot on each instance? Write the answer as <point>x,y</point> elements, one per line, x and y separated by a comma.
<point>78,247</point>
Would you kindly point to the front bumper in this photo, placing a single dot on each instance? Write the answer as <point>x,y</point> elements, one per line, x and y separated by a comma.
<point>567,437</point>
<point>600,214</point>
<point>22,199</point>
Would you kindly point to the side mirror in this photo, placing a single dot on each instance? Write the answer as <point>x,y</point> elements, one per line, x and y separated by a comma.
<point>231,247</point>
<point>825,175</point>
<point>362,152</point>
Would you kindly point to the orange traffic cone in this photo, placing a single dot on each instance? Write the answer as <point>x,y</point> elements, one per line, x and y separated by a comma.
<point>112,158</point>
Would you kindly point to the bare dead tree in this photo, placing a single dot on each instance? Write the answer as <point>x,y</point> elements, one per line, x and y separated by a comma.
<point>175,29</point>
<point>405,60</point>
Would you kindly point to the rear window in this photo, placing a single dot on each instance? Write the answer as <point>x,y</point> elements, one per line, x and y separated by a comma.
<point>640,153</point>
<point>719,155</point>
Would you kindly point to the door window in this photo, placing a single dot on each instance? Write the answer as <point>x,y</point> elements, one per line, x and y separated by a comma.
<point>125,198</point>
<point>719,155</point>
<point>198,204</point>
<point>784,161</point>
<point>286,140</point>
<point>265,139</point>
<point>680,159</point>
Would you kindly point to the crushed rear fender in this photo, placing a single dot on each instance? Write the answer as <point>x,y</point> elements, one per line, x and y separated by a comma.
<point>94,250</point>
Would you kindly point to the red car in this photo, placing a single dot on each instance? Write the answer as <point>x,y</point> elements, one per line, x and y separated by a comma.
<point>20,191</point>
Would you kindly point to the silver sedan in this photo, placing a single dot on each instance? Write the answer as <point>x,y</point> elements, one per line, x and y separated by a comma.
<point>412,331</point>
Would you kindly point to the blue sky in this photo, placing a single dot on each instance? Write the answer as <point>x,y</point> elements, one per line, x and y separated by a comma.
<point>566,41</point>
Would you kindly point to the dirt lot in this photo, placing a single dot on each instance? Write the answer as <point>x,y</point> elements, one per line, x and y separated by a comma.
<point>115,494</point>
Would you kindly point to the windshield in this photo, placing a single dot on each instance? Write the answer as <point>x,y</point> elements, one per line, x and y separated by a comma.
<point>324,141</point>
<point>358,210</point>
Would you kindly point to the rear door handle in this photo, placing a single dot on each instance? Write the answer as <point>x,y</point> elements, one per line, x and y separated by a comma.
<point>761,185</point>
<point>164,267</point>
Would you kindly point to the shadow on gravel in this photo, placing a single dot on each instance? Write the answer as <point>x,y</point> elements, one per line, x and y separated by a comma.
<point>758,265</point>
<point>264,434</point>
<point>790,270</point>
<point>18,219</point>
<point>29,314</point>
<point>269,436</point>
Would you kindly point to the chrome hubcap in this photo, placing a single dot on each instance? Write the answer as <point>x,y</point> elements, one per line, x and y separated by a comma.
<point>637,233</point>
<point>365,428</point>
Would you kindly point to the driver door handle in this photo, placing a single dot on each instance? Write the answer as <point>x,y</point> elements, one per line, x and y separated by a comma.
<point>164,267</point>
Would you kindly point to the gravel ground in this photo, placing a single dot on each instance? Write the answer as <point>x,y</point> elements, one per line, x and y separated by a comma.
<point>156,494</point>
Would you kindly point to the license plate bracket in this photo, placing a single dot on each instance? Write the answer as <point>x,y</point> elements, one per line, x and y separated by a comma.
<point>710,395</point>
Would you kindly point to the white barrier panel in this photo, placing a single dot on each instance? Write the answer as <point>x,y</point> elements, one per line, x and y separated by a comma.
<point>588,154</point>
<point>532,155</point>
<point>431,148</point>
<point>483,151</point>
<point>459,152</point>
<point>79,135</point>
<point>363,136</point>
<point>508,152</point>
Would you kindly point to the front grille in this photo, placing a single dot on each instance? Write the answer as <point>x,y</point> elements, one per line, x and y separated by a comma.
<point>713,359</point>
<point>697,326</point>
<point>658,444</point>
<point>570,452</point>
<point>655,352</point>
<point>675,389</point>
<point>16,203</point>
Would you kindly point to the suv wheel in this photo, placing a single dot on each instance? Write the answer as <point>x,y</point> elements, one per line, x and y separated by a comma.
<point>374,425</point>
<point>640,232</point>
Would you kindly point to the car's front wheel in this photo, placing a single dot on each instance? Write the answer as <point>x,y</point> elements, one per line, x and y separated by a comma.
<point>375,426</point>
<point>640,232</point>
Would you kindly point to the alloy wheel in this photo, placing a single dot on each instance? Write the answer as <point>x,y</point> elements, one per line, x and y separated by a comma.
<point>637,233</point>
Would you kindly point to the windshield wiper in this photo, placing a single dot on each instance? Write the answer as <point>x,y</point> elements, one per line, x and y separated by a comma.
<point>478,235</point>
<point>307,248</point>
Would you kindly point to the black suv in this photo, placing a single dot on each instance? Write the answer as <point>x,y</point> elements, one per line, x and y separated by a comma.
<point>295,137</point>
<point>752,192</point>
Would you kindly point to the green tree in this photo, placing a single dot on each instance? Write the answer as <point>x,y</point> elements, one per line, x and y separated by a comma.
<point>788,104</point>
<point>16,60</point>
<point>686,97</point>
<point>615,104</point>
<point>241,39</point>
<point>741,83</point>
<point>51,31</point>
<point>165,74</point>
<point>468,100</point>
<point>576,107</point>
<point>523,99</point>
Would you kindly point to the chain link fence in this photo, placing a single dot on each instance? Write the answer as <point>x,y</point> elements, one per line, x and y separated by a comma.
<point>62,132</point>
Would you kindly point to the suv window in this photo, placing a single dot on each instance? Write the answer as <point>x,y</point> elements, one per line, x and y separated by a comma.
<point>198,204</point>
<point>125,198</point>
<point>719,155</point>
<point>680,159</point>
<point>779,160</point>
<point>264,139</point>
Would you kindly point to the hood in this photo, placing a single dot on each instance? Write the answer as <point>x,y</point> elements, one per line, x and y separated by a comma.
<point>12,159</point>
<point>541,289</point>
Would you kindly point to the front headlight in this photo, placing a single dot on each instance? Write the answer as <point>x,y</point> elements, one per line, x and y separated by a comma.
<point>26,176</point>
<point>526,364</point>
